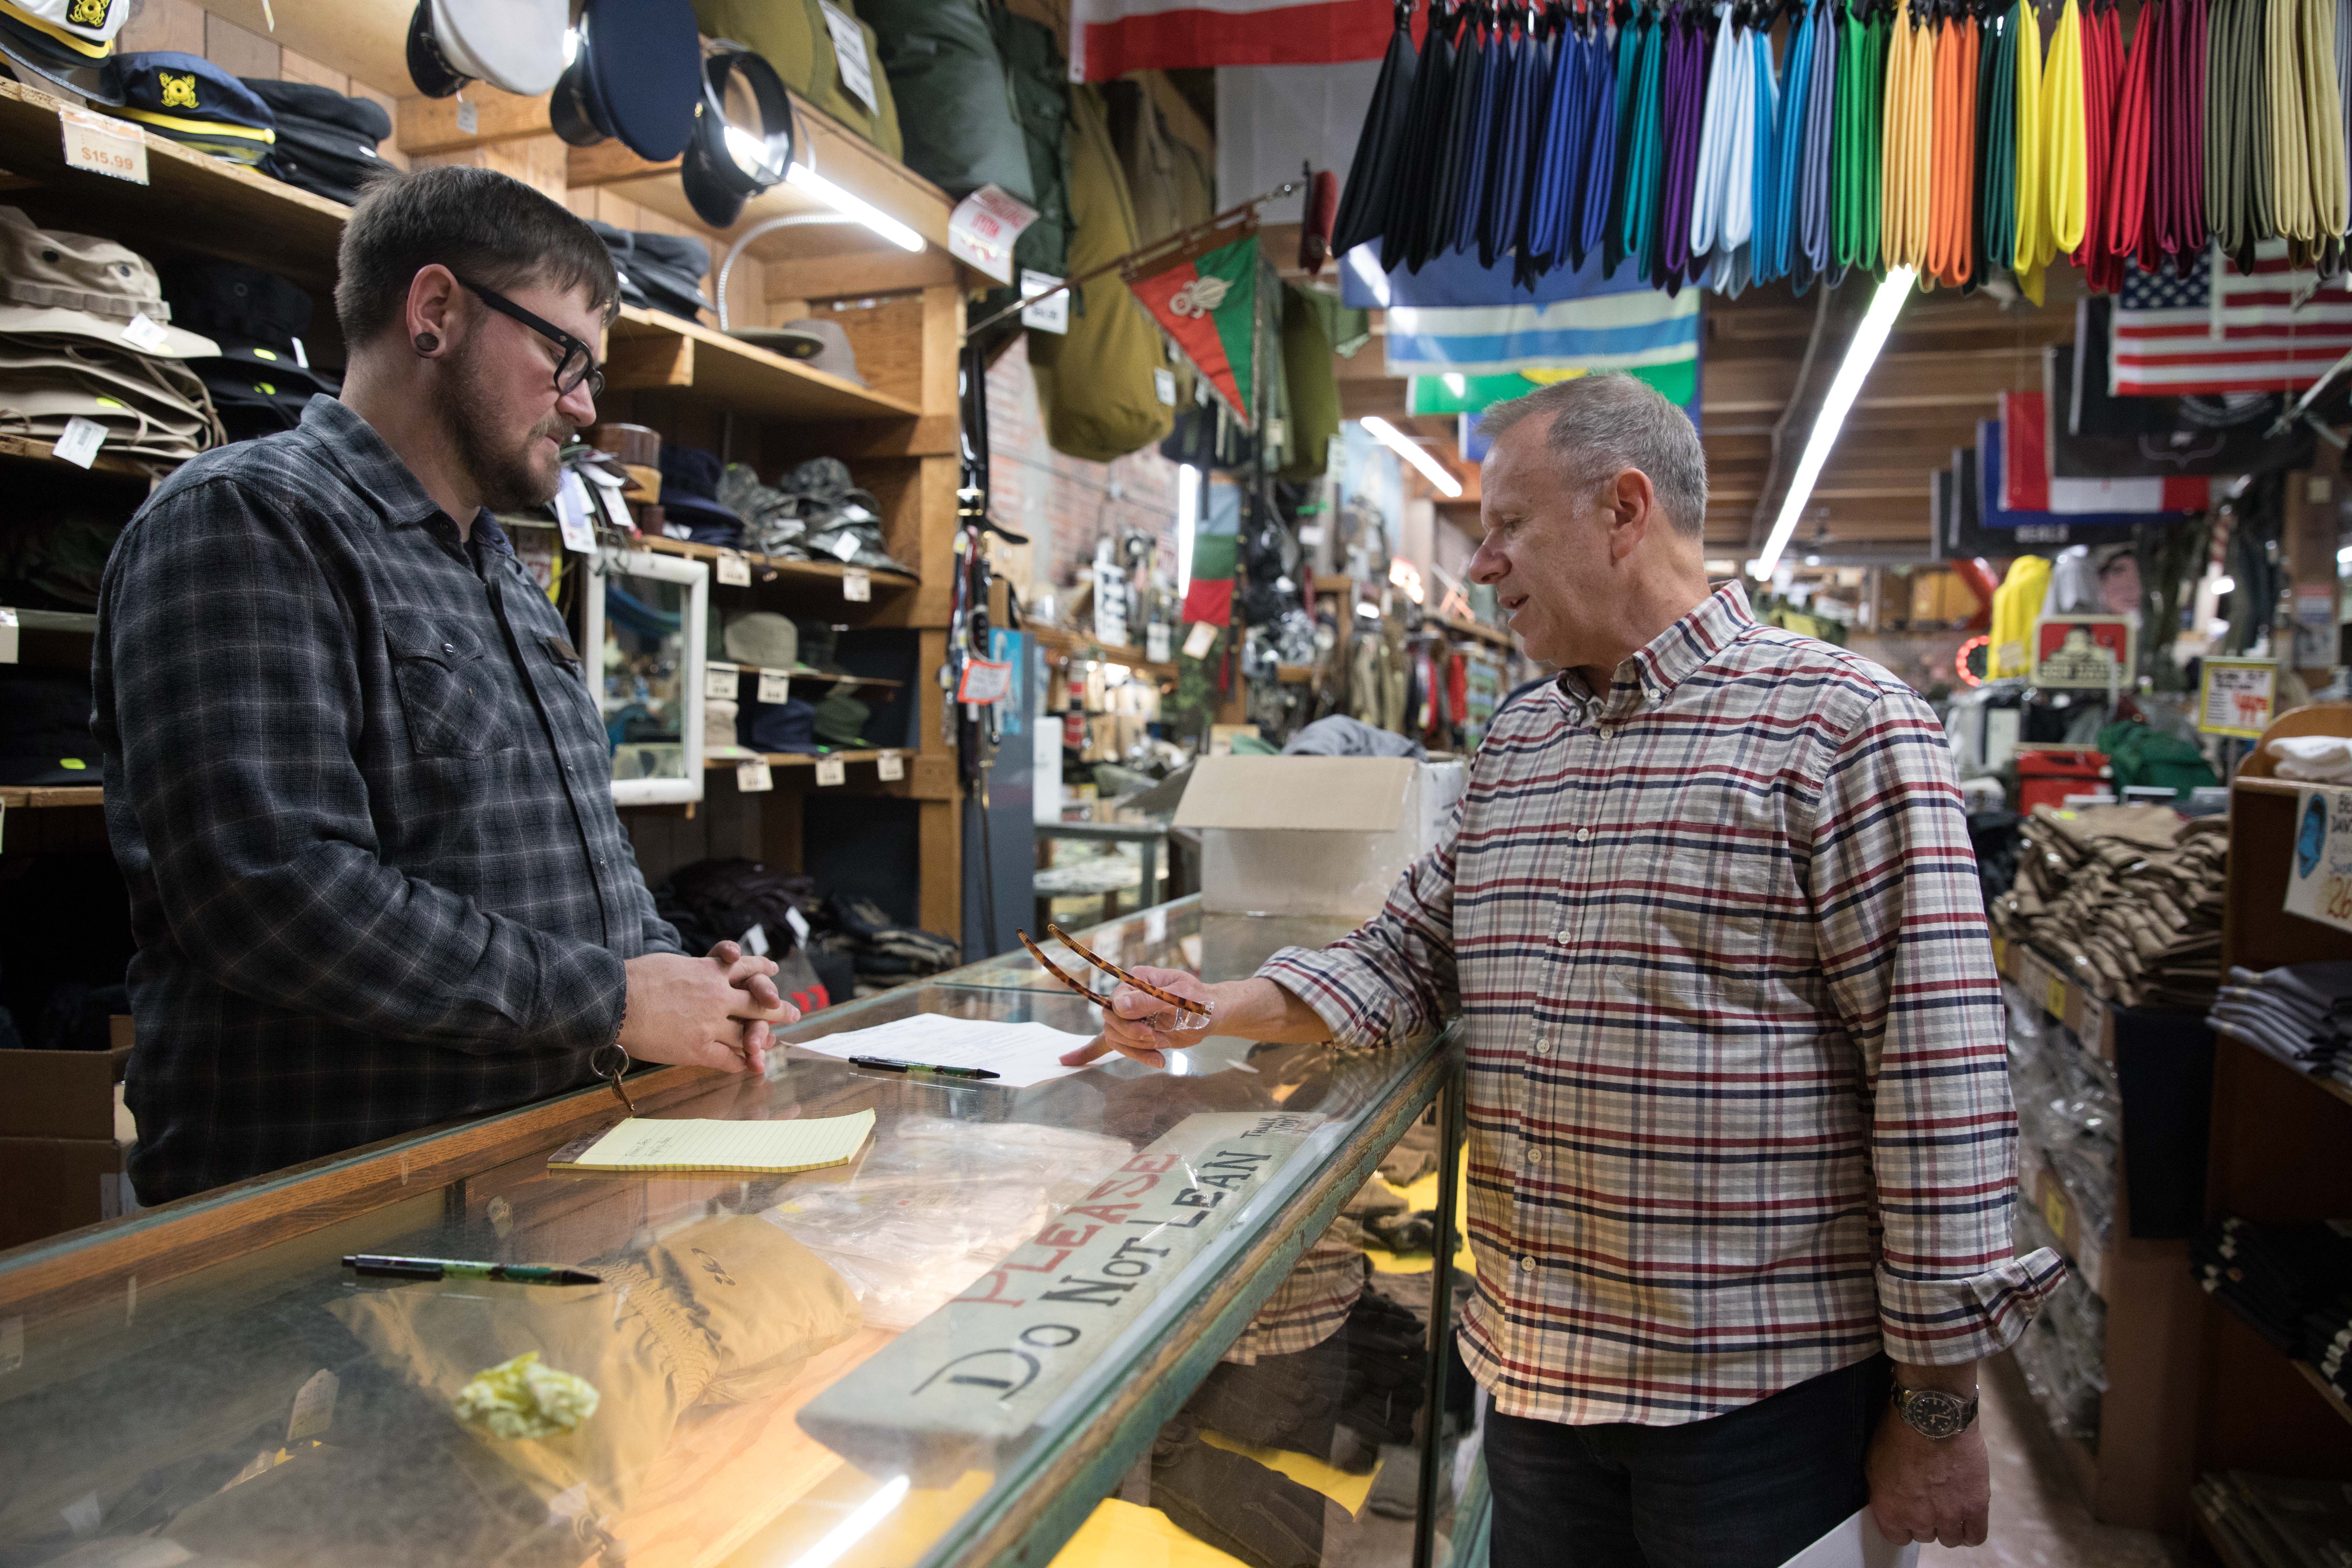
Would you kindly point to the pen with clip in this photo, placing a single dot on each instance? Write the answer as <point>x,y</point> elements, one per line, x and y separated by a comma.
<point>885,1065</point>
<point>457,1268</point>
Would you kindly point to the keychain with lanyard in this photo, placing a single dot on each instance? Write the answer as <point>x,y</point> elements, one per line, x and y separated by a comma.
<point>610,1070</point>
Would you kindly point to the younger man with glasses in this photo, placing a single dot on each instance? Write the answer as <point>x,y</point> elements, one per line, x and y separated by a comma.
<point>354,777</point>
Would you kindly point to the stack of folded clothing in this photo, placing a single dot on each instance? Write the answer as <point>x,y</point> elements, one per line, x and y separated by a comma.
<point>2301,1013</point>
<point>658,271</point>
<point>2292,1284</point>
<point>84,334</point>
<point>2314,759</point>
<point>2288,1521</point>
<point>261,379</point>
<point>2125,900</point>
<point>327,141</point>
<point>689,499</point>
<point>189,100</point>
<point>886,953</point>
<point>815,511</point>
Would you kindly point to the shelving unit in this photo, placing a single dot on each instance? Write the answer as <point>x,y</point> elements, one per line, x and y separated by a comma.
<point>105,462</point>
<point>902,312</point>
<point>2278,1157</point>
<point>2138,1471</point>
<point>1071,645</point>
<point>36,797</point>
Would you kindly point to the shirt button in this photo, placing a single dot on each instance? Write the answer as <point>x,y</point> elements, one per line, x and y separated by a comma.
<point>1534,1156</point>
<point>1543,1046</point>
<point>1584,836</point>
<point>1526,1265</point>
<point>1560,936</point>
<point>1607,733</point>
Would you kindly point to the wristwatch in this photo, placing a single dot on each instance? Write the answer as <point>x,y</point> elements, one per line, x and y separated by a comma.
<point>1934,1413</point>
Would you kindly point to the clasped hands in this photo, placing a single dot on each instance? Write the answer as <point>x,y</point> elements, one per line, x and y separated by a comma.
<point>715,1012</point>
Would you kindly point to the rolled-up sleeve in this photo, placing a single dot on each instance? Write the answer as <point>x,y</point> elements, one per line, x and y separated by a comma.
<point>1394,976</point>
<point>237,714</point>
<point>1909,968</point>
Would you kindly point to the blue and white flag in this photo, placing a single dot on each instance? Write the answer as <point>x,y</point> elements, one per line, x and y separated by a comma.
<point>1617,331</point>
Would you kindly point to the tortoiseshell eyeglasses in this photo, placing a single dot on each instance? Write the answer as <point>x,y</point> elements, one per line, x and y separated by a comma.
<point>1190,1014</point>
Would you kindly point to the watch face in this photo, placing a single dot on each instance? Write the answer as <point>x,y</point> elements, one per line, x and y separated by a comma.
<point>1934,1414</point>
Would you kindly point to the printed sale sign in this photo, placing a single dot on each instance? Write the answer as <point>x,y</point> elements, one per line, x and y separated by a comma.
<point>2319,877</point>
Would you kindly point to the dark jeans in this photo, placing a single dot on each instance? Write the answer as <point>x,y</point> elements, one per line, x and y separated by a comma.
<point>1747,1490</point>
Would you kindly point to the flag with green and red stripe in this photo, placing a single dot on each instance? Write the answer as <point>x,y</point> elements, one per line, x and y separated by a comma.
<point>1206,304</point>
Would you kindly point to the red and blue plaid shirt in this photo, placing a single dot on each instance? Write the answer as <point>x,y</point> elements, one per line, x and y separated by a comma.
<point>1738,1101</point>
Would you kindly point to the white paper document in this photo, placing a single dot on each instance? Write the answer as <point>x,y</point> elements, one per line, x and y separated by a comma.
<point>1019,1054</point>
<point>1856,1543</point>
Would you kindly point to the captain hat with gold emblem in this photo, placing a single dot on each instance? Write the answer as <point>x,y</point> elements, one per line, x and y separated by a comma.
<point>190,100</point>
<point>64,41</point>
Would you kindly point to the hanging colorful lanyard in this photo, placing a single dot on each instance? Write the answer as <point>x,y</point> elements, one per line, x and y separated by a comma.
<point>2034,248</point>
<point>1818,159</point>
<point>1996,193</point>
<point>1861,116</point>
<point>1906,141</point>
<point>1639,47</point>
<point>2064,134</point>
<point>1775,182</point>
<point>1600,162</point>
<point>1683,105</point>
<point>1785,189</point>
<point>1951,211</point>
<point>1709,187</point>
<point>1558,169</point>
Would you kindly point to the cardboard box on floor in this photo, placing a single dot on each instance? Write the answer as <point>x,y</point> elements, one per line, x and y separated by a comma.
<point>62,1094</point>
<point>65,1140</point>
<point>1312,835</point>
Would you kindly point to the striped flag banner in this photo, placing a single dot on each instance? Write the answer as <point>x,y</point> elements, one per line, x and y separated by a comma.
<point>2218,329</point>
<point>1110,37</point>
<point>1618,332</point>
<point>2027,484</point>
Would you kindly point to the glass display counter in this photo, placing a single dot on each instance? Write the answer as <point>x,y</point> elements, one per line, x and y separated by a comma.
<point>1172,936</point>
<point>1078,1321</point>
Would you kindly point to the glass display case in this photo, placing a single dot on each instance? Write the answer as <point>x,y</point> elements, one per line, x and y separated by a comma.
<point>1117,1310</point>
<point>1170,936</point>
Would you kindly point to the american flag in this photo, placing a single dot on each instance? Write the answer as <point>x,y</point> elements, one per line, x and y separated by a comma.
<point>2274,330</point>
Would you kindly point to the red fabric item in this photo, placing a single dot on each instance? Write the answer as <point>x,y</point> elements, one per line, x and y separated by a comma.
<point>1457,689</point>
<point>2024,452</point>
<point>2128,225</point>
<point>1109,38</point>
<point>2103,69</point>
<point>1211,601</point>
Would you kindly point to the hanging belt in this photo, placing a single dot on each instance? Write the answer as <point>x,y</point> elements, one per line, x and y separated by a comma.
<point>1511,145</point>
<point>1996,193</point>
<point>2034,246</point>
<point>1467,142</point>
<point>2177,209</point>
<point>1951,212</point>
<point>1556,173</point>
<point>2064,134</point>
<point>1907,174</point>
<point>1638,42</point>
<point>1710,185</point>
<point>1600,144</point>
<point>1404,243</point>
<point>2103,69</point>
<point>1785,190</point>
<point>1683,104</point>
<point>2124,205</point>
<point>2293,217</point>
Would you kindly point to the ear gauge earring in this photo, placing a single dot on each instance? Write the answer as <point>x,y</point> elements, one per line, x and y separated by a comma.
<point>428,342</point>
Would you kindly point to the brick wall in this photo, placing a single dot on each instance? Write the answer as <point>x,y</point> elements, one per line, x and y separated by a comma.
<point>1062,503</point>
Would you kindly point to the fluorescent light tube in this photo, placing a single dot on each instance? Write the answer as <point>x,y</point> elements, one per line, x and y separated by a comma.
<point>1188,510</point>
<point>1860,355</point>
<point>1396,441</point>
<point>857,207</point>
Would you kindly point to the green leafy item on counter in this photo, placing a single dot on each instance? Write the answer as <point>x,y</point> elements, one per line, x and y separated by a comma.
<point>521,1399</point>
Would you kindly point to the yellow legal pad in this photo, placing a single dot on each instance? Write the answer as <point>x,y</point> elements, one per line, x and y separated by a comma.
<point>767,1147</point>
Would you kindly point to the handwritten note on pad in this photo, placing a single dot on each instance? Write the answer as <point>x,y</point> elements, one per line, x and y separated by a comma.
<point>769,1147</point>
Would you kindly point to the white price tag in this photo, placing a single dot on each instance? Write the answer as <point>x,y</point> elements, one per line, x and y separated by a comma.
<point>798,921</point>
<point>734,568</point>
<point>616,510</point>
<point>751,777</point>
<point>984,682</point>
<point>889,765</point>
<point>850,49</point>
<point>1164,381</point>
<point>1155,642</point>
<point>1052,315</point>
<point>857,585</point>
<point>301,356</point>
<point>80,442</point>
<point>470,118</point>
<point>314,1407</point>
<point>982,228</point>
<point>101,144</point>
<point>1200,640</point>
<point>847,546</point>
<point>755,942</point>
<point>1276,430</point>
<point>775,686</point>
<point>145,333</point>
<point>7,635</point>
<point>831,771</point>
<point>571,504</point>
<point>719,680</point>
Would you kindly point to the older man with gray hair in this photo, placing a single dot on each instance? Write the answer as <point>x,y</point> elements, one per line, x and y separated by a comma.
<point>1742,1155</point>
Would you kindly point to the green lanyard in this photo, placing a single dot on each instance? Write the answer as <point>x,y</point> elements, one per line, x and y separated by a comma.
<point>1861,113</point>
<point>1996,170</point>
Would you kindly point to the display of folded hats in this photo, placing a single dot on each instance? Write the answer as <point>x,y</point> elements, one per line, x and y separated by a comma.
<point>327,141</point>
<point>85,334</point>
<point>62,44</point>
<point>2125,900</point>
<point>261,380</point>
<point>691,509</point>
<point>658,271</point>
<point>815,512</point>
<point>312,137</point>
<point>821,714</point>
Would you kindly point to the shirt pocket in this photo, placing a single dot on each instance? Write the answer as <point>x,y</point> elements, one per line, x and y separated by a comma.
<point>448,695</point>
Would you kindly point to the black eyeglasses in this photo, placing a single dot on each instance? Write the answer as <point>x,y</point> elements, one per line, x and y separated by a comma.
<point>577,364</point>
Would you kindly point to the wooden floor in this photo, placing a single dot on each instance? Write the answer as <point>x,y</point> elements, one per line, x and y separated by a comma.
<point>2039,1520</point>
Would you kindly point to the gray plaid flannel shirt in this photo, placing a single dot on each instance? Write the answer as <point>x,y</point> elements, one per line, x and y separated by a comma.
<point>360,793</point>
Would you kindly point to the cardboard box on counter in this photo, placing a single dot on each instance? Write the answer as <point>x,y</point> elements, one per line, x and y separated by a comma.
<point>1312,835</point>
<point>62,1094</point>
<point>61,1184</point>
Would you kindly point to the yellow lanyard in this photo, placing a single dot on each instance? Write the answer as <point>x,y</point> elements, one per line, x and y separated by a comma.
<point>2034,246</point>
<point>2065,136</point>
<point>1907,175</point>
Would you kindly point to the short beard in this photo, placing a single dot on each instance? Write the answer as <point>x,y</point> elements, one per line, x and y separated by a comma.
<point>506,480</point>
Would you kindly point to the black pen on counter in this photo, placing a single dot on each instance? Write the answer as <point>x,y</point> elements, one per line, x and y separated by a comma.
<point>457,1269</point>
<point>885,1065</point>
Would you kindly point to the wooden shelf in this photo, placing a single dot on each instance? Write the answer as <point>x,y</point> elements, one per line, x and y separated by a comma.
<point>32,797</point>
<point>1484,633</point>
<point>800,760</point>
<point>1333,582</point>
<point>1294,674</point>
<point>2335,1401</point>
<point>653,351</point>
<point>1073,646</point>
<point>80,621</point>
<point>112,464</point>
<point>811,572</point>
<point>813,677</point>
<point>2091,1019</point>
<point>196,201</point>
<point>2224,1547</point>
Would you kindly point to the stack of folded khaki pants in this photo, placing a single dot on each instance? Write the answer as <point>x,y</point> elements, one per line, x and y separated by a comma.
<point>85,334</point>
<point>2125,899</point>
